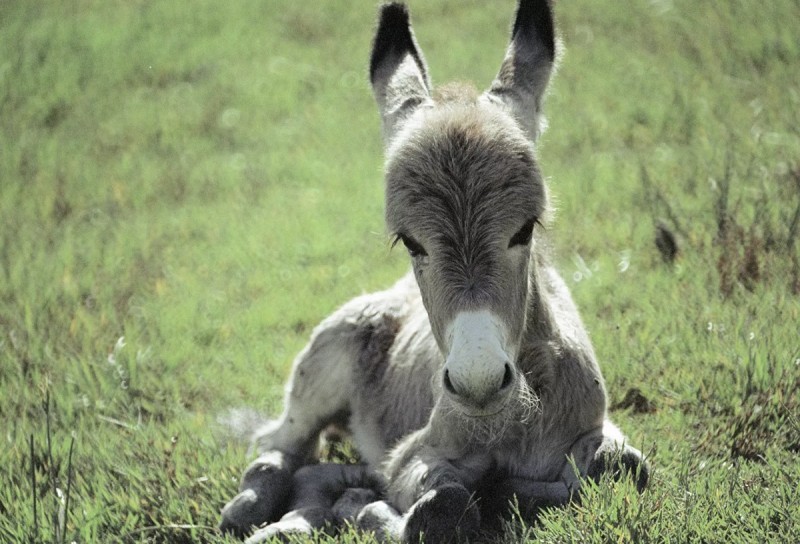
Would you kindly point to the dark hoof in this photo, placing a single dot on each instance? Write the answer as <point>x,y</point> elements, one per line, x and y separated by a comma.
<point>444,515</point>
<point>627,462</point>
<point>264,492</point>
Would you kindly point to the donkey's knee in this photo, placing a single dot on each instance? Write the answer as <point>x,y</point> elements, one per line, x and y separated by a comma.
<point>318,392</point>
<point>266,484</point>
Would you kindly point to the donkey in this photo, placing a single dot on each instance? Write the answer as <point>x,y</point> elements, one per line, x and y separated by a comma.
<point>472,380</point>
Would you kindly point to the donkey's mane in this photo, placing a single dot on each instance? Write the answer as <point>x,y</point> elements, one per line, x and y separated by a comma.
<point>462,92</point>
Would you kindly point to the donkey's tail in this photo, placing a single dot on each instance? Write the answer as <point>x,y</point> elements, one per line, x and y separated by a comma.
<point>238,425</point>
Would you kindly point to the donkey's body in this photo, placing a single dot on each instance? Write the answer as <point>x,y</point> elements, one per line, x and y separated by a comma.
<point>476,368</point>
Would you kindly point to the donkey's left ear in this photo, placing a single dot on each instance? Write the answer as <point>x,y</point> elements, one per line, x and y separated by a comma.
<point>531,56</point>
<point>397,69</point>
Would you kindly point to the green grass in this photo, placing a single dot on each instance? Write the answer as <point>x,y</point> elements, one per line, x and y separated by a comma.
<point>186,188</point>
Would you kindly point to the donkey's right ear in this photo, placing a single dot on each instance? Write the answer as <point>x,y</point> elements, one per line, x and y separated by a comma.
<point>397,69</point>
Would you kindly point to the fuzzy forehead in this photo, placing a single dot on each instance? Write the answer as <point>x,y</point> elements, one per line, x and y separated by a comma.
<point>462,163</point>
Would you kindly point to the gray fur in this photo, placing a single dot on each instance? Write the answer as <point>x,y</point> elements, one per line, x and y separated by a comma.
<point>462,182</point>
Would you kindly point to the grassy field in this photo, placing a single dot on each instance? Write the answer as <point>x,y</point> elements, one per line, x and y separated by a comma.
<point>187,188</point>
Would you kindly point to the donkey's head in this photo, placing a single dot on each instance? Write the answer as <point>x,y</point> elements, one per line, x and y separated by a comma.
<point>463,193</point>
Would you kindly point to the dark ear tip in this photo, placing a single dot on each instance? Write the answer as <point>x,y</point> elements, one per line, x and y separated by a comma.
<point>393,14</point>
<point>536,16</point>
<point>393,34</point>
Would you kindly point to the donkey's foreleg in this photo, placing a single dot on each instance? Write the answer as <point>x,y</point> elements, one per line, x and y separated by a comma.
<point>501,496</point>
<point>432,487</point>
<point>448,513</point>
<point>600,451</point>
<point>444,514</point>
<point>614,456</point>
<point>604,450</point>
<point>318,393</point>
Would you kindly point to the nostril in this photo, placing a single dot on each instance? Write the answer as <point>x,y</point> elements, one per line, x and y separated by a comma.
<point>448,385</point>
<point>508,377</point>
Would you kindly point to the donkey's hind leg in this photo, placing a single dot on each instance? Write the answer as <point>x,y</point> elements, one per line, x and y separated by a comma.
<point>324,497</point>
<point>318,393</point>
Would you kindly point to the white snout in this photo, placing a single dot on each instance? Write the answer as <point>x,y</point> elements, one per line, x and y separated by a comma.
<point>479,369</point>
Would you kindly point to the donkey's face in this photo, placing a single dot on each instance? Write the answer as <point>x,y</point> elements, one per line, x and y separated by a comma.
<point>463,194</point>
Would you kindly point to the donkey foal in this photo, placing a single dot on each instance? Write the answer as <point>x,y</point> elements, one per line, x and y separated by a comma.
<point>472,381</point>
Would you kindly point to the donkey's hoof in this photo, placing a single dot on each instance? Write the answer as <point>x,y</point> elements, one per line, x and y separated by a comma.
<point>263,495</point>
<point>443,515</point>
<point>621,462</point>
<point>295,523</point>
<point>242,513</point>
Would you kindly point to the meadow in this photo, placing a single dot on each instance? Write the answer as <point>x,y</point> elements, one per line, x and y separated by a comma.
<point>187,188</point>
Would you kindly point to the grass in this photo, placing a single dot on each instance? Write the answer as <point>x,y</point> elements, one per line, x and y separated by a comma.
<point>186,188</point>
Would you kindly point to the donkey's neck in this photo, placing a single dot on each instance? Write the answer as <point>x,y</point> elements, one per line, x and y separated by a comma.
<point>549,321</point>
<point>553,324</point>
<point>540,322</point>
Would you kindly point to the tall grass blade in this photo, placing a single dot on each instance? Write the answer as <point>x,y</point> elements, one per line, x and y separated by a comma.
<point>35,536</point>
<point>69,489</point>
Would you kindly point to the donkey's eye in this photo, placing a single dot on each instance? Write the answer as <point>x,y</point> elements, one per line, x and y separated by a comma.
<point>523,235</point>
<point>413,247</point>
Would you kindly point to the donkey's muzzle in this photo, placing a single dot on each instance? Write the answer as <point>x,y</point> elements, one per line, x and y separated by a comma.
<point>479,373</point>
<point>484,397</point>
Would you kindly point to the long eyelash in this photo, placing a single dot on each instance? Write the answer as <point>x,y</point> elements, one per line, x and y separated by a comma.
<point>413,247</point>
<point>396,239</point>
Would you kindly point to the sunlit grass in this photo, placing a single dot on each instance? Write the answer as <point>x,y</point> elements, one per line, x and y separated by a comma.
<point>186,189</point>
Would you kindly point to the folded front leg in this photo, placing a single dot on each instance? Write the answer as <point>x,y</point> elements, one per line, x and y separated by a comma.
<point>432,486</point>
<point>605,451</point>
<point>302,521</point>
<point>442,515</point>
<point>501,496</point>
<point>594,454</point>
<point>447,513</point>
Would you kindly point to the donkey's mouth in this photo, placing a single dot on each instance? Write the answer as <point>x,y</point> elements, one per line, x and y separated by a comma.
<point>490,410</point>
<point>518,405</point>
<point>481,414</point>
